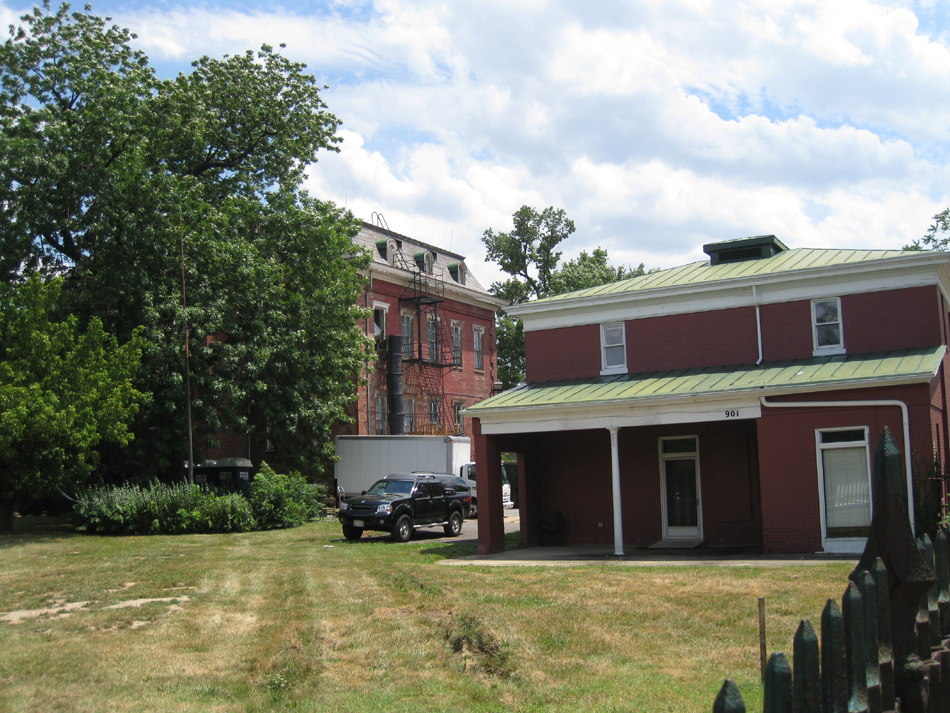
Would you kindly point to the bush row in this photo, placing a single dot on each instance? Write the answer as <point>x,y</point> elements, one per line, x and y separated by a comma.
<point>271,501</point>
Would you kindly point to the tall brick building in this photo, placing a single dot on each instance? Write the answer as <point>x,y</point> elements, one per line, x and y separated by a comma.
<point>445,318</point>
<point>732,402</point>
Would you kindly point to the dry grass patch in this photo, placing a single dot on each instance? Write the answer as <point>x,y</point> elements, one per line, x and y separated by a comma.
<point>277,620</point>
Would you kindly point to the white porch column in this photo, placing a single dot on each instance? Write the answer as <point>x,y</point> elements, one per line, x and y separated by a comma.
<point>615,481</point>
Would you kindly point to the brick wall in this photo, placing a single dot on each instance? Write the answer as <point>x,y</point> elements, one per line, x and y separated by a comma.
<point>876,321</point>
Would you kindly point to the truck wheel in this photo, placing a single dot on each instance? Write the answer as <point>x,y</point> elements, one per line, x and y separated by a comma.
<point>352,533</point>
<point>402,531</point>
<point>454,526</point>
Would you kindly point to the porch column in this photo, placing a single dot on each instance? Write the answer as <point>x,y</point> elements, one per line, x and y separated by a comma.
<point>615,482</point>
<point>491,516</point>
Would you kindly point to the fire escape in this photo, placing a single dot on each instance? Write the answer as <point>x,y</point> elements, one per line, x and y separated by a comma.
<point>431,351</point>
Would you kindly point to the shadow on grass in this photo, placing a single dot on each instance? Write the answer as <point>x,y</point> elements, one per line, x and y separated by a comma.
<point>33,529</point>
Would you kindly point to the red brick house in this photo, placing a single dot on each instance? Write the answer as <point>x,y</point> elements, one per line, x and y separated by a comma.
<point>734,402</point>
<point>445,318</point>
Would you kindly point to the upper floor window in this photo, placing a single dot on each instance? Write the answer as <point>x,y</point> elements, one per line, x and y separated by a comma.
<point>613,349</point>
<point>379,321</point>
<point>457,407</point>
<point>432,337</point>
<point>407,344</point>
<point>826,326</point>
<point>478,351</point>
<point>457,345</point>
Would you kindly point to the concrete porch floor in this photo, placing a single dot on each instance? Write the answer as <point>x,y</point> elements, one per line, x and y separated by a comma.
<point>600,555</point>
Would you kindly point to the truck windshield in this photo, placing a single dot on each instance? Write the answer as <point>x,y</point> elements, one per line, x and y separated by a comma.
<point>382,487</point>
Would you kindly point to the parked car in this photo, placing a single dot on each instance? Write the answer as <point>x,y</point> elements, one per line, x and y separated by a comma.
<point>402,503</point>
<point>456,485</point>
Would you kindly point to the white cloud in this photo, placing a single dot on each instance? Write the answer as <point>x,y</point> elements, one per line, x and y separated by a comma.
<point>656,125</point>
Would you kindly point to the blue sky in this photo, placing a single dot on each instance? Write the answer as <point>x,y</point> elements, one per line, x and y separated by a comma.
<point>658,125</point>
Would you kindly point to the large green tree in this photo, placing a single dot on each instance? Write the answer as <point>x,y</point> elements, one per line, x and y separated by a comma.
<point>63,391</point>
<point>528,254</point>
<point>114,178</point>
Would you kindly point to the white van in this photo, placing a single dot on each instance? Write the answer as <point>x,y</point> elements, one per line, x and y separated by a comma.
<point>467,471</point>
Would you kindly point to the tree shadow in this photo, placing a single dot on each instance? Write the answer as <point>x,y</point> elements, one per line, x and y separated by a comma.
<point>33,529</point>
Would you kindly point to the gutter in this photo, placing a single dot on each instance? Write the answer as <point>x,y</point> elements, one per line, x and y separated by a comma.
<point>851,404</point>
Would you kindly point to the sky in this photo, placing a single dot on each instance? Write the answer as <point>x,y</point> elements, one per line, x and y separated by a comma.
<point>657,125</point>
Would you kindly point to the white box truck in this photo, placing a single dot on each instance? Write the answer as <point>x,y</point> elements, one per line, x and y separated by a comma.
<point>365,459</point>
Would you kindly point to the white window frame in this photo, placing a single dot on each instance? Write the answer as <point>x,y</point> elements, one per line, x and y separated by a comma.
<point>852,545</point>
<point>384,306</point>
<point>410,415</point>
<point>432,329</point>
<point>457,345</point>
<point>478,348</point>
<point>381,415</point>
<point>408,341</point>
<point>391,249</point>
<point>435,412</point>
<point>457,407</point>
<point>831,349</point>
<point>620,369</point>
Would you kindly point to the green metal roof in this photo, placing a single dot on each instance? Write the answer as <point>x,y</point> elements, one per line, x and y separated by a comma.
<point>843,371</point>
<point>702,272</point>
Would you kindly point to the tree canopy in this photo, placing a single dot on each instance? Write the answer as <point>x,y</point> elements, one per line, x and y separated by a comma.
<point>113,178</point>
<point>937,236</point>
<point>528,255</point>
<point>63,390</point>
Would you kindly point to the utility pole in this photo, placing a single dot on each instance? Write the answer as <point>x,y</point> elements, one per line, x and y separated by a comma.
<point>184,307</point>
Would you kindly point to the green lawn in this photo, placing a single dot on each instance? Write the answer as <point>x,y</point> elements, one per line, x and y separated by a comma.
<point>302,620</point>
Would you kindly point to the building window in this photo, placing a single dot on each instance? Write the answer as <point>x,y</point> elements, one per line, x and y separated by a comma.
<point>407,344</point>
<point>457,407</point>
<point>433,338</point>
<point>391,249</point>
<point>826,326</point>
<point>410,415</point>
<point>457,344</point>
<point>380,420</point>
<point>434,416</point>
<point>479,335</point>
<point>428,261</point>
<point>844,487</point>
<point>613,349</point>
<point>379,321</point>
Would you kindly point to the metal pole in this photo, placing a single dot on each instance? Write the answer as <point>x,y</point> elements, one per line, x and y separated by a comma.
<point>184,307</point>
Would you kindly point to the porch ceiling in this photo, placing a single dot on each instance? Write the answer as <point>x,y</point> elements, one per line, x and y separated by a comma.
<point>817,374</point>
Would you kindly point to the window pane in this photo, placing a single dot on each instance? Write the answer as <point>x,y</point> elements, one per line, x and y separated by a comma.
<point>614,356</point>
<point>847,494</point>
<point>856,434</point>
<point>613,335</point>
<point>829,335</point>
<point>826,311</point>
<point>681,510</point>
<point>679,445</point>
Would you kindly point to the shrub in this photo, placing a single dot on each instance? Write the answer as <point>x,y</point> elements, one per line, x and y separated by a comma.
<point>272,501</point>
<point>283,500</point>
<point>161,509</point>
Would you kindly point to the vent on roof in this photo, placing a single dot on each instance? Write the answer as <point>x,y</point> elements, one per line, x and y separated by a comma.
<point>757,247</point>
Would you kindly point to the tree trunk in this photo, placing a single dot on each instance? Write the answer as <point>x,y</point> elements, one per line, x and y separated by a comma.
<point>6,516</point>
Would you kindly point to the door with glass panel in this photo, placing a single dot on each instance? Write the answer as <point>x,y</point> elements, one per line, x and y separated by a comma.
<point>680,488</point>
<point>845,488</point>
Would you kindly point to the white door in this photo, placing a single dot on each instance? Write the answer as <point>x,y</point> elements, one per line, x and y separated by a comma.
<point>680,488</point>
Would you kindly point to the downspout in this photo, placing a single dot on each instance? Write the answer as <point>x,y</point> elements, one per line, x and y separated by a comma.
<point>879,402</point>
<point>758,321</point>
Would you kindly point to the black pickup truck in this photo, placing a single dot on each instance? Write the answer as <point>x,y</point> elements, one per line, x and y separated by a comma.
<point>399,504</point>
